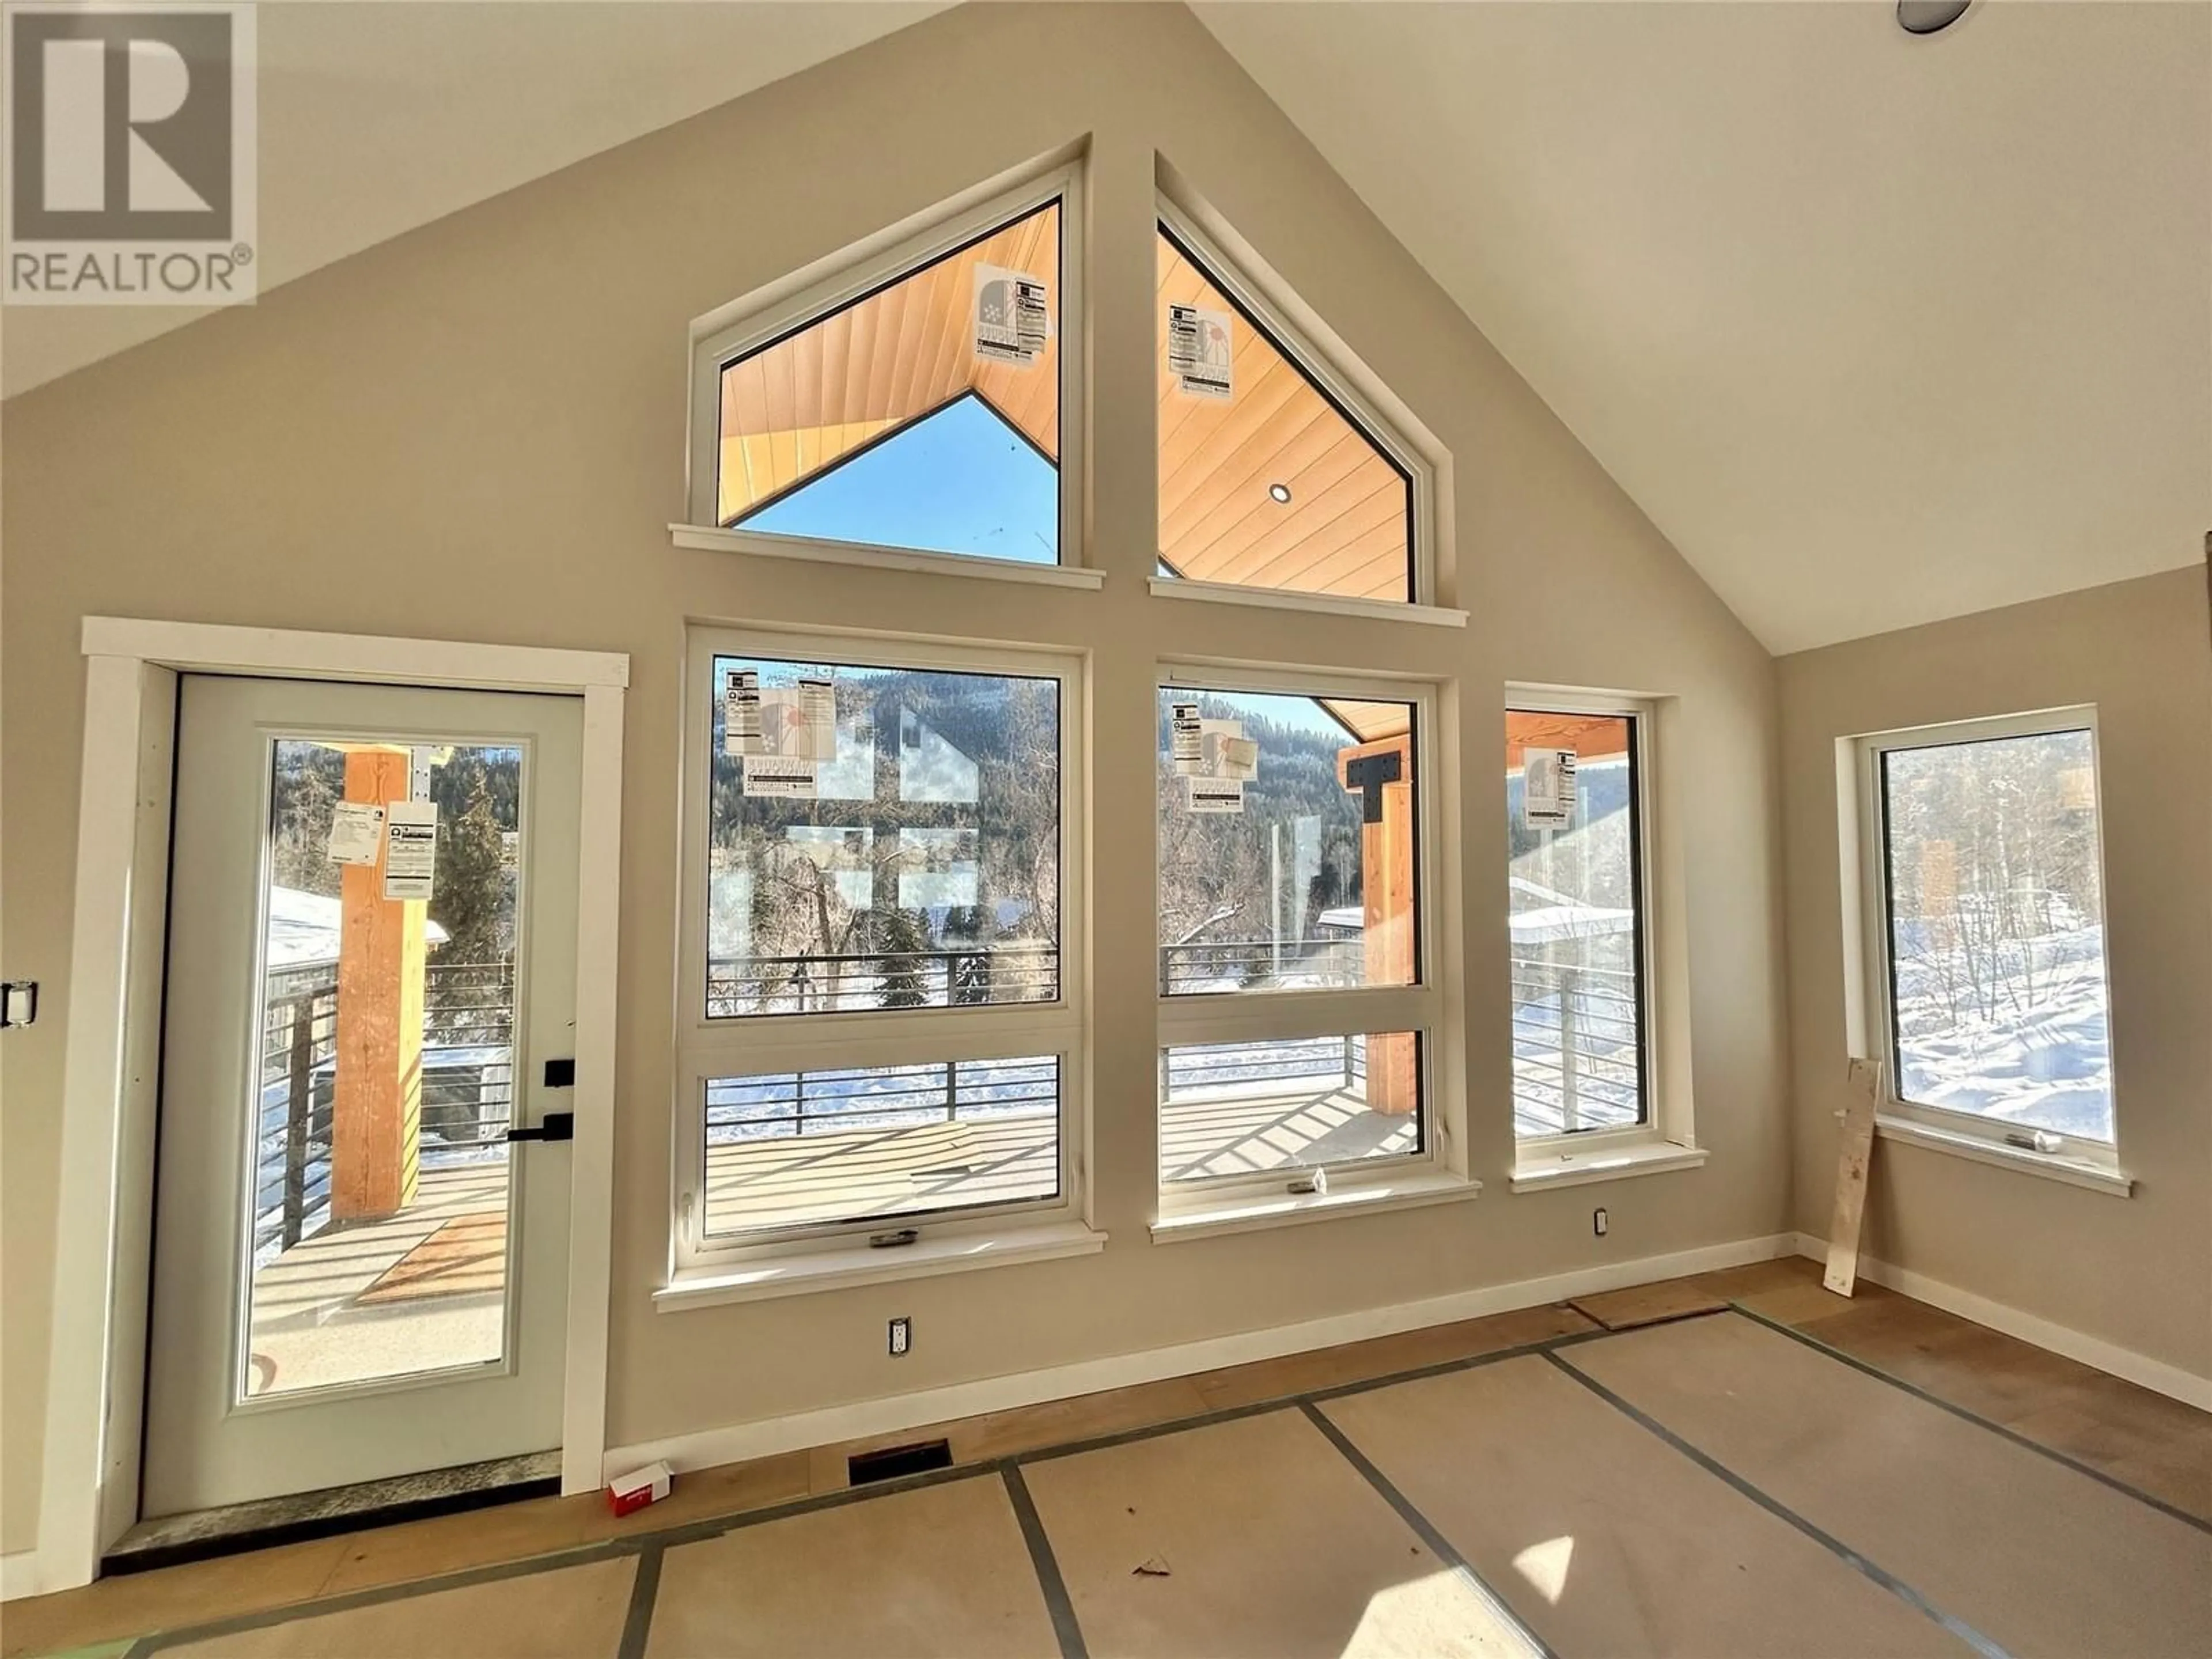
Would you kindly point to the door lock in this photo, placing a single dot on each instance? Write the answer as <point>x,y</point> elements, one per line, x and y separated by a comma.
<point>557,1126</point>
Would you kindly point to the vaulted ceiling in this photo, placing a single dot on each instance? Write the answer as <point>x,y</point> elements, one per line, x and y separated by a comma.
<point>1877,329</point>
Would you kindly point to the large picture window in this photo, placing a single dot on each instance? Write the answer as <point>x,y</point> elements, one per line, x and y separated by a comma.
<point>1574,828</point>
<point>881,1030</point>
<point>1988,930</point>
<point>1293,999</point>
<point>907,856</point>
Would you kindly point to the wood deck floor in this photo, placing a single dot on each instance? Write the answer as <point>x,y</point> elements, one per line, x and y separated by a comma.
<point>339,1307</point>
<point>937,1166</point>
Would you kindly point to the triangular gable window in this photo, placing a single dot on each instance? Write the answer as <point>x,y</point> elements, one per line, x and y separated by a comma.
<point>963,479</point>
<point>923,415</point>
<point>1266,478</point>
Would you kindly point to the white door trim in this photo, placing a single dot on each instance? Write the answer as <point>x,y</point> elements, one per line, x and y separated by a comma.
<point>96,1357</point>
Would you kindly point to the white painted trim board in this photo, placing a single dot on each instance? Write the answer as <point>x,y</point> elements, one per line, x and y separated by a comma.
<point>735,1443</point>
<point>2109,1357</point>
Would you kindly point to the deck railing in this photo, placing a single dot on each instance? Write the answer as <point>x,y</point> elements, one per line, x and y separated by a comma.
<point>467,1093</point>
<point>824,982</point>
<point>780,1105</point>
<point>1235,963</point>
<point>1575,1047</point>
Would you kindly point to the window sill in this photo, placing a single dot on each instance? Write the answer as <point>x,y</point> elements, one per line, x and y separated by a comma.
<point>2075,1172</point>
<point>1246,1213</point>
<point>1541,1174</point>
<point>846,1266</point>
<point>700,538</point>
<point>1273,598</point>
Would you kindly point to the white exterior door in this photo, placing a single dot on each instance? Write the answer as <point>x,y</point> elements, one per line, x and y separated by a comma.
<point>371,961</point>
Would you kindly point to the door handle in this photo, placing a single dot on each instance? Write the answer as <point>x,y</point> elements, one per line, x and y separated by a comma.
<point>557,1126</point>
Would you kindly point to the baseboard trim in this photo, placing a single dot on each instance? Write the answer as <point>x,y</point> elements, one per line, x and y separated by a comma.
<point>736,1443</point>
<point>2125,1364</point>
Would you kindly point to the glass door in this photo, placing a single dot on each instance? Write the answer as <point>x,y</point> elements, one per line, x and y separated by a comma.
<point>358,1273</point>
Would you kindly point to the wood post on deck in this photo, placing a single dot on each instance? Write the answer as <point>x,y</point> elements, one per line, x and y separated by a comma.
<point>377,1113</point>
<point>1381,774</point>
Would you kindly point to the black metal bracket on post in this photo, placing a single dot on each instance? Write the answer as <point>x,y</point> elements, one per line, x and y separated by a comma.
<point>1367,774</point>
<point>557,1126</point>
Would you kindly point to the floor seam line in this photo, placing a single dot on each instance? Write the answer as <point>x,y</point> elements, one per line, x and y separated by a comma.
<point>1052,1584</point>
<point>1967,1415</point>
<point>644,1595</point>
<point>528,1566</point>
<point>1423,1528</point>
<point>1871,1570</point>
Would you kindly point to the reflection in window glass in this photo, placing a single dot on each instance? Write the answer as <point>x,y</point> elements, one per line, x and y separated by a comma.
<point>898,849</point>
<point>880,1142</point>
<point>1298,874</point>
<point>1574,916</point>
<point>1996,931</point>
<point>1232,1109</point>
<point>883,423</point>
<point>1264,480</point>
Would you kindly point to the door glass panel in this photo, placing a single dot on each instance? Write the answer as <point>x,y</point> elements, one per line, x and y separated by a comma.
<point>380,1187</point>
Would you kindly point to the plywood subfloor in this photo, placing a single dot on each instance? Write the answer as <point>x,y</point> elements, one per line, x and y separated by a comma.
<point>2040,1558</point>
<point>1647,1304</point>
<point>1250,1537</point>
<point>572,1610</point>
<point>942,1570</point>
<point>1605,1538</point>
<point>2112,1427</point>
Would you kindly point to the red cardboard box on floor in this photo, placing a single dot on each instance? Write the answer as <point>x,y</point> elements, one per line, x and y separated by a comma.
<point>634,1491</point>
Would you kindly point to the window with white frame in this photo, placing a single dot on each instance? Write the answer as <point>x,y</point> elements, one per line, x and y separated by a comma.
<point>1296,1009</point>
<point>917,401</point>
<point>1272,474</point>
<point>1574,879</point>
<point>880,1023</point>
<point>1984,889</point>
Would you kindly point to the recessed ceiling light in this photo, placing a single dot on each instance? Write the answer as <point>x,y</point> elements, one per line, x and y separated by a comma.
<point>1281,492</point>
<point>1930,16</point>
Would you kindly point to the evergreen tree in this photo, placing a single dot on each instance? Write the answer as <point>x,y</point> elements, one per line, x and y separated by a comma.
<point>901,944</point>
<point>471,880</point>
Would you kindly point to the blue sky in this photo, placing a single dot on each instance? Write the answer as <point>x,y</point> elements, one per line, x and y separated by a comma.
<point>959,480</point>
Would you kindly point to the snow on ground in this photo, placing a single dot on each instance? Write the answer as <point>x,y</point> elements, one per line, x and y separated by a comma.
<point>2032,1048</point>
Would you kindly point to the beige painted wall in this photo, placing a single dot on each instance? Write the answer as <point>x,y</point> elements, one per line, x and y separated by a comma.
<point>2136,1271</point>
<point>476,431</point>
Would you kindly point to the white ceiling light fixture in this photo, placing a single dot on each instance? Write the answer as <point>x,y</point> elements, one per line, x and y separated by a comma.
<point>1280,492</point>
<point>1930,16</point>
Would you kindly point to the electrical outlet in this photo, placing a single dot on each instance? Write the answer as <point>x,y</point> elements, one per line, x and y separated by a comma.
<point>1598,1222</point>
<point>902,1335</point>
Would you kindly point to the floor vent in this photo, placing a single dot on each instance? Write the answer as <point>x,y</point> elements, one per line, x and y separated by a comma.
<point>864,1468</point>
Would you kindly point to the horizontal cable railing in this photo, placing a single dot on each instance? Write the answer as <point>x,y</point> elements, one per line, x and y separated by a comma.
<point>830,983</point>
<point>780,1105</point>
<point>1325,1062</point>
<point>1575,1047</point>
<point>1235,965</point>
<point>466,1098</point>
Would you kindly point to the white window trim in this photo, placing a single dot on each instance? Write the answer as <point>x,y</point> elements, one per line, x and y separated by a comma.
<point>1231,274</point>
<point>1871,1027</point>
<point>830,1254</point>
<point>1438,1171</point>
<point>1284,599</point>
<point>1666,1139</point>
<point>729,332</point>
